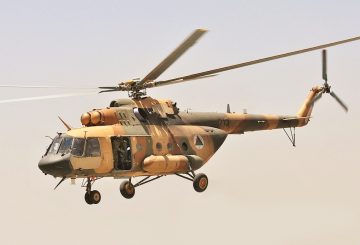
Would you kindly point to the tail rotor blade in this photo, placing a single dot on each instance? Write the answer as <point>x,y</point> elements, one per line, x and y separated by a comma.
<point>342,104</point>
<point>324,65</point>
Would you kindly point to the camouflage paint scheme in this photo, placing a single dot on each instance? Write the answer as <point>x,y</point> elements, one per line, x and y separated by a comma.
<point>163,140</point>
<point>143,136</point>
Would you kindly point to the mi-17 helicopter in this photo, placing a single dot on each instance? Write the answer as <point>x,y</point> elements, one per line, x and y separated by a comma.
<point>150,138</point>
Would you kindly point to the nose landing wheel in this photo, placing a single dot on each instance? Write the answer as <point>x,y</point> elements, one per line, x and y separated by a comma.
<point>91,197</point>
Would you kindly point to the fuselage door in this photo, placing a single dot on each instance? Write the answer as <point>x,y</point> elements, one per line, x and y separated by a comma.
<point>122,153</point>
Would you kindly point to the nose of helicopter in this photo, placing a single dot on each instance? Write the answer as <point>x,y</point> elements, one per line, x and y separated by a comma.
<point>55,165</point>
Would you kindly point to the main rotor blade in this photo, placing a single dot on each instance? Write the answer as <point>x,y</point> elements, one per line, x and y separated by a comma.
<point>163,83</point>
<point>324,65</point>
<point>54,96</point>
<point>108,87</point>
<point>40,86</point>
<point>169,60</point>
<point>339,101</point>
<point>109,90</point>
<point>253,62</point>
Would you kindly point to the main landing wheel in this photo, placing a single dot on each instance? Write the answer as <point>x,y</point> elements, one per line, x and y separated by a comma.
<point>200,182</point>
<point>94,197</point>
<point>127,189</point>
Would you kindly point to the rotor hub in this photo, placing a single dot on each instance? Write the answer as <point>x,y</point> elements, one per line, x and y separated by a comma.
<point>327,88</point>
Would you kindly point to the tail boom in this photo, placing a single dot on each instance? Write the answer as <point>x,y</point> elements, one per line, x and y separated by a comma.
<point>239,123</point>
<point>305,110</point>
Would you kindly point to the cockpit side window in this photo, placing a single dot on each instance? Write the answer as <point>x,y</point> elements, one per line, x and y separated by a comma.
<point>78,147</point>
<point>89,147</point>
<point>92,147</point>
<point>65,146</point>
<point>55,145</point>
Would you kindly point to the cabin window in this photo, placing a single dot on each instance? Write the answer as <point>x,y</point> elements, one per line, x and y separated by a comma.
<point>158,146</point>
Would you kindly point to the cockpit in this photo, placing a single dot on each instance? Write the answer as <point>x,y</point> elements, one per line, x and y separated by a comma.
<point>66,154</point>
<point>80,147</point>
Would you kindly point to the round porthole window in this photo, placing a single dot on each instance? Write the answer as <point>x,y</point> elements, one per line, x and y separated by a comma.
<point>158,146</point>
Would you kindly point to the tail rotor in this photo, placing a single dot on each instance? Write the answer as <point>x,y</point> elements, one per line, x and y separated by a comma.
<point>326,88</point>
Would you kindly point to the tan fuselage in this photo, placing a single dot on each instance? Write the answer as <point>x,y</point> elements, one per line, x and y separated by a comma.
<point>160,140</point>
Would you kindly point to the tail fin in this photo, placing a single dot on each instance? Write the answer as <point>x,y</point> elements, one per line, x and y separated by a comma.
<point>306,108</point>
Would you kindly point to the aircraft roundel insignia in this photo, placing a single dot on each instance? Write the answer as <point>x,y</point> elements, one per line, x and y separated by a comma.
<point>199,142</point>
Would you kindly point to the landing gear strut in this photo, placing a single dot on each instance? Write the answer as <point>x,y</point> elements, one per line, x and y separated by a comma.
<point>91,197</point>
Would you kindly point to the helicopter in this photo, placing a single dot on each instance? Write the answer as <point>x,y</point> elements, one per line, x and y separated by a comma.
<point>151,138</point>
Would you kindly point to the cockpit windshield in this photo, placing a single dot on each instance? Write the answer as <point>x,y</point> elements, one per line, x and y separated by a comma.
<point>64,144</point>
<point>55,145</point>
